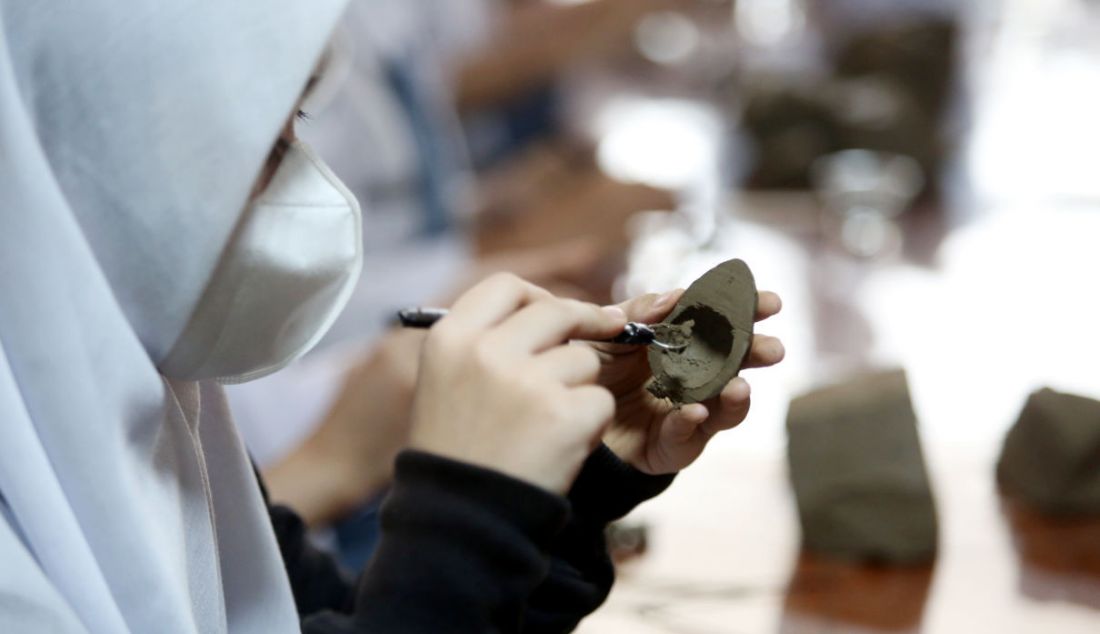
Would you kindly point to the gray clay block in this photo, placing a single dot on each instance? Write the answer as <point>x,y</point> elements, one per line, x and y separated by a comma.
<point>858,472</point>
<point>716,313</point>
<point>1051,456</point>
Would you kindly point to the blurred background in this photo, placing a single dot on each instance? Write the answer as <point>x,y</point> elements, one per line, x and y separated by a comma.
<point>918,179</point>
<point>961,252</point>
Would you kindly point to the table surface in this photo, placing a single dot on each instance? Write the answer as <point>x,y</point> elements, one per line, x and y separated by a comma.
<point>724,543</point>
<point>992,297</point>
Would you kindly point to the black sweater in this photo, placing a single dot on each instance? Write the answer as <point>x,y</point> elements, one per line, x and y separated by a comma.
<point>466,549</point>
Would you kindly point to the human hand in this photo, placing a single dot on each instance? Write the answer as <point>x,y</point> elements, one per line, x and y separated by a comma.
<point>650,433</point>
<point>499,387</point>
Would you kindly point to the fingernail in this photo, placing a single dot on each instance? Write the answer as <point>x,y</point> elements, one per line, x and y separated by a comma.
<point>743,387</point>
<point>701,412</point>
<point>614,312</point>
<point>663,299</point>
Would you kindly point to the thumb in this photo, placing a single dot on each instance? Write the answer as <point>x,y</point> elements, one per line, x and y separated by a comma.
<point>652,307</point>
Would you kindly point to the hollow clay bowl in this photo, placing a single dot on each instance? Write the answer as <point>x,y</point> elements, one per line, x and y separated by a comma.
<point>721,304</point>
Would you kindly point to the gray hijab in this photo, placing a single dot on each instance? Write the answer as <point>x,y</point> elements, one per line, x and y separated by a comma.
<point>130,136</point>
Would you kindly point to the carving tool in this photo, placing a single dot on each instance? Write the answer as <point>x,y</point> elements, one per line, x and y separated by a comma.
<point>634,332</point>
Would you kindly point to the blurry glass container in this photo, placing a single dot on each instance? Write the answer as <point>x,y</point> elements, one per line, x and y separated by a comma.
<point>776,36</point>
<point>863,192</point>
<point>667,37</point>
<point>768,22</point>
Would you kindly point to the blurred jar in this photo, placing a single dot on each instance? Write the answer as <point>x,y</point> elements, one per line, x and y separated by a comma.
<point>862,193</point>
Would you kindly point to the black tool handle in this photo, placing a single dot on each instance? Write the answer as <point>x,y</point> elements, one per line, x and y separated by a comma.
<point>420,317</point>
<point>633,333</point>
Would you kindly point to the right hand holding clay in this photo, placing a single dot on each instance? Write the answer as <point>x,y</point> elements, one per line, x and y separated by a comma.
<point>500,387</point>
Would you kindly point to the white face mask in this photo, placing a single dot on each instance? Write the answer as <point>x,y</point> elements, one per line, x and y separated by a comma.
<point>289,268</point>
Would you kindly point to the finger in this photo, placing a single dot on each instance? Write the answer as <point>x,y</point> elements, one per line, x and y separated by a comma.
<point>549,322</point>
<point>652,307</point>
<point>729,408</point>
<point>494,299</point>
<point>570,365</point>
<point>766,351</point>
<point>767,305</point>
<point>647,309</point>
<point>682,423</point>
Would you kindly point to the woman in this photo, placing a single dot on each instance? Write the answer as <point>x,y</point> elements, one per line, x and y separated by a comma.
<point>152,243</point>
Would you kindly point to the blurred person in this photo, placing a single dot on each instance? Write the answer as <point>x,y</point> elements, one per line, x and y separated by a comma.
<point>539,183</point>
<point>530,44</point>
<point>179,236</point>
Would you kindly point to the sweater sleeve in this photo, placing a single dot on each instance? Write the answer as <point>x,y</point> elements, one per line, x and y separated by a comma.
<point>462,549</point>
<point>466,549</point>
<point>581,572</point>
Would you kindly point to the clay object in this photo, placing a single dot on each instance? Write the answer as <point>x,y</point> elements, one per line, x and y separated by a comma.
<point>716,313</point>
<point>889,91</point>
<point>789,126</point>
<point>1051,457</point>
<point>917,53</point>
<point>858,472</point>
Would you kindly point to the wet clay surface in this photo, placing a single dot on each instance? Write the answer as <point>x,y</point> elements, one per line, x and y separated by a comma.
<point>716,315</point>
<point>675,334</point>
